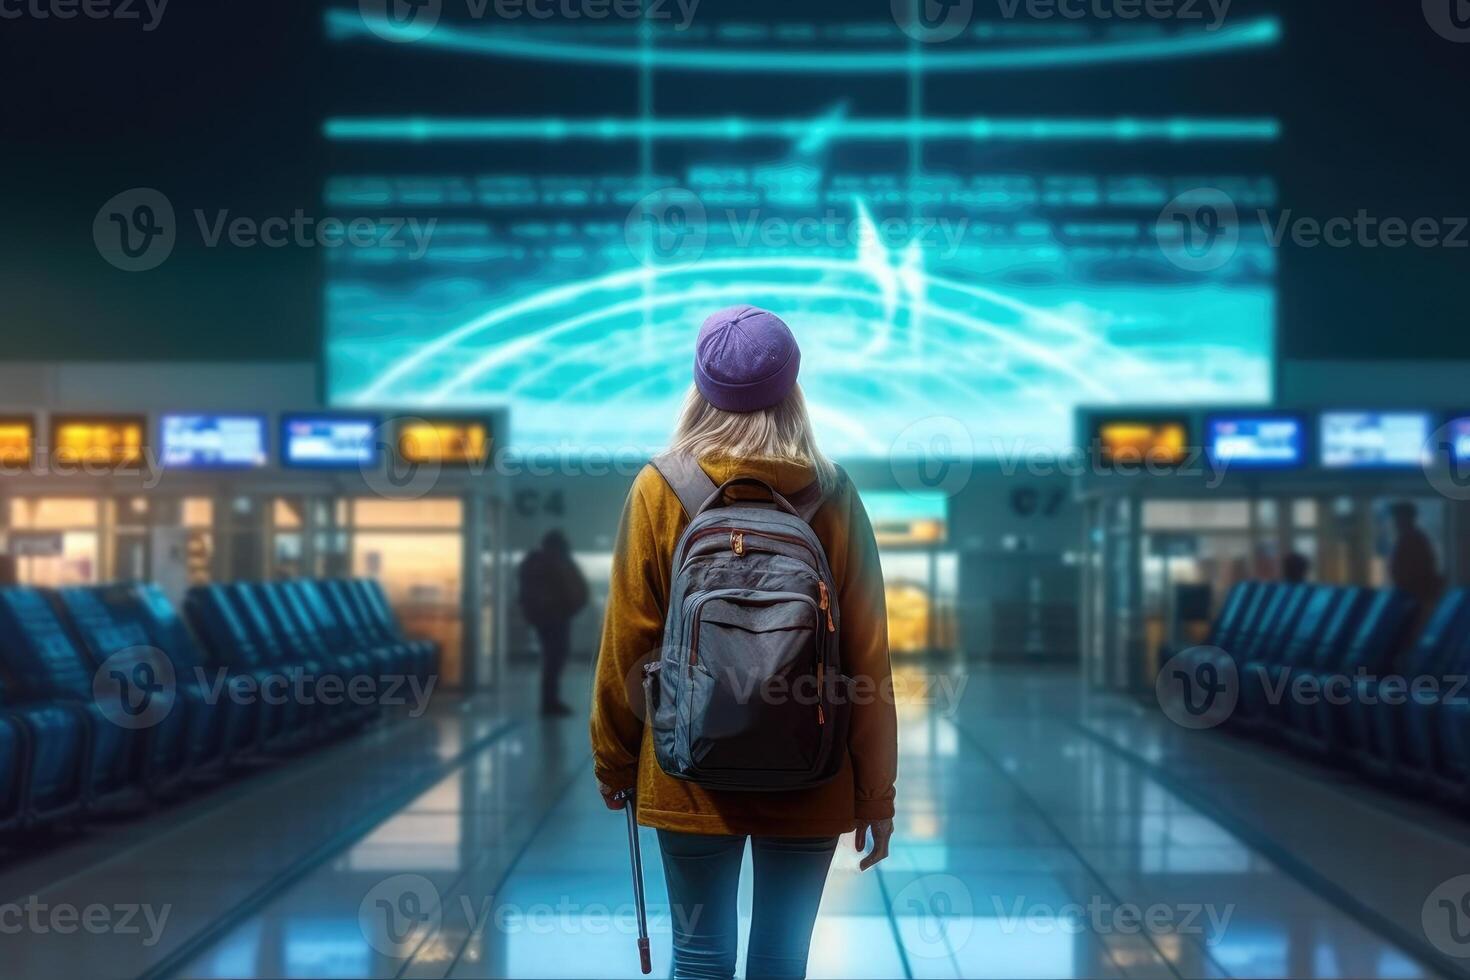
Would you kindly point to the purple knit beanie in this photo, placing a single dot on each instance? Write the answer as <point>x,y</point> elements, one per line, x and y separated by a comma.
<point>745,360</point>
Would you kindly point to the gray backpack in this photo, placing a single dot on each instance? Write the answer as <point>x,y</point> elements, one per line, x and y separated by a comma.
<point>748,691</point>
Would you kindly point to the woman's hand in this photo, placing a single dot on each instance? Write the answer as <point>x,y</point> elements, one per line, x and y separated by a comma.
<point>882,831</point>
<point>610,798</point>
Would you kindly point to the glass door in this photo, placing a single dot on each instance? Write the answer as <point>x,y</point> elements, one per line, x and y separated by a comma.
<point>56,541</point>
<point>415,548</point>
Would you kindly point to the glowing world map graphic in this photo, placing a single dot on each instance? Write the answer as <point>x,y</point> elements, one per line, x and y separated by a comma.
<point>1000,270</point>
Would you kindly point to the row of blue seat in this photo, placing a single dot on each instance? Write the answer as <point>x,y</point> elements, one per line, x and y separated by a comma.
<point>108,695</point>
<point>1340,674</point>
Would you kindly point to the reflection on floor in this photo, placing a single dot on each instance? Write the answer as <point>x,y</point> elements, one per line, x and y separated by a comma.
<point>1042,833</point>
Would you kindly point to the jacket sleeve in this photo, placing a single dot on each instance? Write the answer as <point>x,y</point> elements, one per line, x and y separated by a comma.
<point>631,633</point>
<point>872,739</point>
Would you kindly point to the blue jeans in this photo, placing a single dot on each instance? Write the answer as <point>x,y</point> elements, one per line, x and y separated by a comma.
<point>703,875</point>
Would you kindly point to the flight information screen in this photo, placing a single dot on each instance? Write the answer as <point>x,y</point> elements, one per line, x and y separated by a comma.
<point>213,441</point>
<point>327,442</point>
<point>1372,440</point>
<point>1257,441</point>
<point>993,228</point>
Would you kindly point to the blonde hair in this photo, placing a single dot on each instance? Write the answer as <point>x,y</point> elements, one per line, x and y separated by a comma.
<point>782,433</point>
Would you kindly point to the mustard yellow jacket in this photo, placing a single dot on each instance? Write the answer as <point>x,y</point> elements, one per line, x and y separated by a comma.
<point>633,631</point>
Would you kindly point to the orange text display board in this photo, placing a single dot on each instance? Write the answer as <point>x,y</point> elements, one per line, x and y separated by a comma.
<point>449,443</point>
<point>98,441</point>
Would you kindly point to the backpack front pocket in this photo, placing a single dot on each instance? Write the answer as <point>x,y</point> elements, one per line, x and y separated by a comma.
<point>753,686</point>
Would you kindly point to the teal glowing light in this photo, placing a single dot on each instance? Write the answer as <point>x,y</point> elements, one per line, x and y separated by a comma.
<point>600,361</point>
<point>736,128</point>
<point>496,41</point>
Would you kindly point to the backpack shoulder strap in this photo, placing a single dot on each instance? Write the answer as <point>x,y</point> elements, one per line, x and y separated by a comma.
<point>809,499</point>
<point>688,481</point>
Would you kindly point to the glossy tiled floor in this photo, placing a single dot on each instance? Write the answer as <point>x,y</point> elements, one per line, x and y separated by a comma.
<point>1041,833</point>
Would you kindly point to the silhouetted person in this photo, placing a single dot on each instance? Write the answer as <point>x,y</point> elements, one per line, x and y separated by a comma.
<point>1413,566</point>
<point>552,592</point>
<point>1295,568</point>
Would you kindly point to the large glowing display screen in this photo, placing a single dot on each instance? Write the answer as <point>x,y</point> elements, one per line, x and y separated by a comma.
<point>974,257</point>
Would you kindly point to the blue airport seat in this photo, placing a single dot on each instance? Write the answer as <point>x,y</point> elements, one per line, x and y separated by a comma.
<point>15,763</point>
<point>1324,726</point>
<point>1236,623</point>
<point>1314,654</point>
<point>1303,622</point>
<point>1332,647</point>
<point>288,606</point>
<point>232,723</point>
<point>397,658</point>
<point>1437,735</point>
<point>1394,720</point>
<point>338,633</point>
<point>54,752</point>
<point>1284,635</point>
<point>162,746</point>
<point>47,669</point>
<point>1262,604</point>
<point>295,630</point>
<point>328,710</point>
<point>377,609</point>
<point>1232,612</point>
<point>222,629</point>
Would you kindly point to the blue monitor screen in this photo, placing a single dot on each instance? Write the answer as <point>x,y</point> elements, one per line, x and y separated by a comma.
<point>213,441</point>
<point>974,254</point>
<point>1459,438</point>
<point>1375,440</point>
<point>1257,441</point>
<point>329,440</point>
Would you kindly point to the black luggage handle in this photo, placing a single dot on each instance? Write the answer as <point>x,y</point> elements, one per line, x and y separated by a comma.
<point>645,957</point>
<point>718,497</point>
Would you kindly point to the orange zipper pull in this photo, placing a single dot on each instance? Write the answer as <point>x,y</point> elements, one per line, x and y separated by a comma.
<point>826,607</point>
<point>737,542</point>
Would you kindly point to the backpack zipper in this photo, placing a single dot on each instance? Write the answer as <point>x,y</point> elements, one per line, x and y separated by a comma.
<point>773,535</point>
<point>737,542</point>
<point>826,605</point>
<point>821,715</point>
